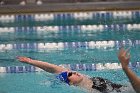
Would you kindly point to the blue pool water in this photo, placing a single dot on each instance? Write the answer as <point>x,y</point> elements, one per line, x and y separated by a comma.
<point>87,42</point>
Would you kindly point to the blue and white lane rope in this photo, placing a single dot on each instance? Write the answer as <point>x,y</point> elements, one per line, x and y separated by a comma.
<point>73,15</point>
<point>66,45</point>
<point>71,29</point>
<point>75,67</point>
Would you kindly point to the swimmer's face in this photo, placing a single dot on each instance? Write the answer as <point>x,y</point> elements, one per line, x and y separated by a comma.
<point>75,78</point>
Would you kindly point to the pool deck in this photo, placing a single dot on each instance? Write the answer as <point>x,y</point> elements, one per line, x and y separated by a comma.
<point>70,7</point>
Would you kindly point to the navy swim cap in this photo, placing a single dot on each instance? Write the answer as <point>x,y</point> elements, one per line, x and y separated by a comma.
<point>63,77</point>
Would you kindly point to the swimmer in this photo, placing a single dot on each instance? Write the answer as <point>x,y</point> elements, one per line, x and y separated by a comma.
<point>124,58</point>
<point>74,78</point>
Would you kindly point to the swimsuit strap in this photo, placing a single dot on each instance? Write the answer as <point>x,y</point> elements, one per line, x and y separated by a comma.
<point>104,85</point>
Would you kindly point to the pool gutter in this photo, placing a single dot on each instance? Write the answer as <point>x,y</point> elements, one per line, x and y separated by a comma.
<point>70,7</point>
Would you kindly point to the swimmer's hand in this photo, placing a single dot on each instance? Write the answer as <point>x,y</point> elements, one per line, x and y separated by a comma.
<point>124,57</point>
<point>24,59</point>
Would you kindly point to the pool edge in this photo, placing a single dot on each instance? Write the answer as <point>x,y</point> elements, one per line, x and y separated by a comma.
<point>70,7</point>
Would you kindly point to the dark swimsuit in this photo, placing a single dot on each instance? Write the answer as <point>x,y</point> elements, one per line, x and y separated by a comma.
<point>105,86</point>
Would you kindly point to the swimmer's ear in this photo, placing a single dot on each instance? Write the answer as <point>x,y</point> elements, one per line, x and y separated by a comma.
<point>70,83</point>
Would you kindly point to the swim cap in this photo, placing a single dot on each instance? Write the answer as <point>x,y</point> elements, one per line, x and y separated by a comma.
<point>63,77</point>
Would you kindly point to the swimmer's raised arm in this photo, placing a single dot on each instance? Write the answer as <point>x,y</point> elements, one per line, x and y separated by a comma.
<point>51,68</point>
<point>74,78</point>
<point>124,58</point>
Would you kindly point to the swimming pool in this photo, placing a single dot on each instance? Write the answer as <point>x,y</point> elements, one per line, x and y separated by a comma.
<point>83,41</point>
